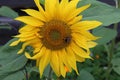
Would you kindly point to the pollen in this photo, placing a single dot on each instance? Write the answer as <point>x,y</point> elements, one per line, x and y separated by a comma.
<point>56,34</point>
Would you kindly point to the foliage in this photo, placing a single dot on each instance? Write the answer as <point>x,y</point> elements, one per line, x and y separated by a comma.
<point>106,55</point>
<point>11,64</point>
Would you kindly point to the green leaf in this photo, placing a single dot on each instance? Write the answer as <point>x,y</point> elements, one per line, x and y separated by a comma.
<point>85,75</point>
<point>10,61</point>
<point>15,76</point>
<point>116,65</point>
<point>100,11</point>
<point>106,35</point>
<point>8,12</point>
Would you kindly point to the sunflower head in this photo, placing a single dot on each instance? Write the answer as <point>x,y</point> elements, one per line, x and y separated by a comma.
<point>57,34</point>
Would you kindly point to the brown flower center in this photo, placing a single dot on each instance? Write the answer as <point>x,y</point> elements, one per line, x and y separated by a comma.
<point>56,35</point>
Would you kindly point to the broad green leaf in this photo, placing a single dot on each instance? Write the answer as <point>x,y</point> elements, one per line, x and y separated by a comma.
<point>10,61</point>
<point>116,65</point>
<point>16,64</point>
<point>85,75</point>
<point>15,76</point>
<point>100,11</point>
<point>8,12</point>
<point>106,35</point>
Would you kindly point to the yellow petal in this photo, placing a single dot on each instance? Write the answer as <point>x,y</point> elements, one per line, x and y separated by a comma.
<point>38,55</point>
<point>25,35</point>
<point>54,62</point>
<point>72,4</point>
<point>79,59</point>
<point>80,40</point>
<point>61,10</point>
<point>75,20</point>
<point>36,43</point>
<point>86,25</point>
<point>86,34</point>
<point>69,8</point>
<point>66,8</point>
<point>44,61</point>
<point>22,39</point>
<point>29,34</point>
<point>26,28</point>
<point>37,46</point>
<point>91,44</point>
<point>62,69</point>
<point>35,14</point>
<point>77,11</point>
<point>15,43</point>
<point>63,3</point>
<point>37,2</point>
<point>71,59</point>
<point>36,50</point>
<point>50,7</point>
<point>29,43</point>
<point>23,47</point>
<point>80,52</point>
<point>30,21</point>
<point>64,59</point>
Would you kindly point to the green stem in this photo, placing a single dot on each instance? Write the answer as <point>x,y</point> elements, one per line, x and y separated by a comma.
<point>109,61</point>
<point>118,3</point>
<point>110,51</point>
<point>107,49</point>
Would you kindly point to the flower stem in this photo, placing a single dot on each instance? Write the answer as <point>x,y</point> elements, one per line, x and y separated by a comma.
<point>110,50</point>
<point>26,73</point>
<point>109,54</point>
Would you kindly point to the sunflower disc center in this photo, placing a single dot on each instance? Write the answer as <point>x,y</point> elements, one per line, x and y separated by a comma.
<point>56,35</point>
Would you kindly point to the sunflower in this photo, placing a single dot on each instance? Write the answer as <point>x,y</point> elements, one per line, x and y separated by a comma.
<point>57,34</point>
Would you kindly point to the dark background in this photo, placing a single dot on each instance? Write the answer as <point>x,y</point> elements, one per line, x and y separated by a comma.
<point>30,3</point>
<point>5,35</point>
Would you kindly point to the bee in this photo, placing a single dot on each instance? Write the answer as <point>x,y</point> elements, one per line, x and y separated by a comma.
<point>67,39</point>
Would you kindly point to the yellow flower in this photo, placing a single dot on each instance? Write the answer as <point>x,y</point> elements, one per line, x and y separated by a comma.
<point>57,34</point>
